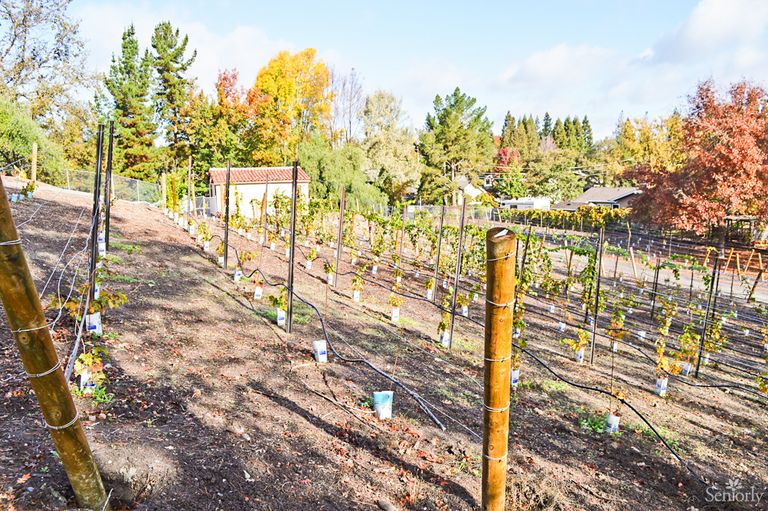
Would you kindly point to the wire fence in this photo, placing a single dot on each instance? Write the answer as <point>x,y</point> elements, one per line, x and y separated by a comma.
<point>124,188</point>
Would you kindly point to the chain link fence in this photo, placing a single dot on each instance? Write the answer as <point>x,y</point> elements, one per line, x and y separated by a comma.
<point>124,188</point>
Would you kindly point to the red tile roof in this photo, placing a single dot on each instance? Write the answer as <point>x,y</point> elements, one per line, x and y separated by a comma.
<point>256,175</point>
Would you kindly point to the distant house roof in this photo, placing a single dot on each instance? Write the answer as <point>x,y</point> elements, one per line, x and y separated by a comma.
<point>568,205</point>
<point>256,175</point>
<point>603,194</point>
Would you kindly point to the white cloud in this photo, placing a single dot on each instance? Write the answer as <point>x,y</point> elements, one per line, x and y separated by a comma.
<point>244,47</point>
<point>561,62</point>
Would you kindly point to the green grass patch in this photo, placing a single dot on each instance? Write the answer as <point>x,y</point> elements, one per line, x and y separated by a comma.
<point>126,247</point>
<point>301,314</point>
<point>594,423</point>
<point>113,259</point>
<point>127,279</point>
<point>545,385</point>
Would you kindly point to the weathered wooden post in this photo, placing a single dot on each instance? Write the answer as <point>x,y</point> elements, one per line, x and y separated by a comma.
<point>33,171</point>
<point>711,298</point>
<point>163,192</point>
<point>38,355</point>
<point>226,214</point>
<point>500,267</point>
<point>192,207</point>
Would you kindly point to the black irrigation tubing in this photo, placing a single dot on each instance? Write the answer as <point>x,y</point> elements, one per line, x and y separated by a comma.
<point>602,335</point>
<point>416,297</point>
<point>416,397</point>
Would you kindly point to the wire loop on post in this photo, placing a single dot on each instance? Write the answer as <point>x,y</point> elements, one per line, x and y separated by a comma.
<point>45,373</point>
<point>64,426</point>
<point>10,242</point>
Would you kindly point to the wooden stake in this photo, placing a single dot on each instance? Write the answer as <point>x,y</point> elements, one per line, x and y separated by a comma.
<point>634,266</point>
<point>749,261</point>
<point>500,267</point>
<point>754,286</point>
<point>163,191</point>
<point>33,173</point>
<point>38,355</point>
<point>738,265</point>
<point>728,261</point>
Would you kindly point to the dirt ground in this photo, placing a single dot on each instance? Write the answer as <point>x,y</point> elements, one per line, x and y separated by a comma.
<point>216,408</point>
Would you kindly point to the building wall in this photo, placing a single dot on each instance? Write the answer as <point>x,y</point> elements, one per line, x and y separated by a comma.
<point>248,192</point>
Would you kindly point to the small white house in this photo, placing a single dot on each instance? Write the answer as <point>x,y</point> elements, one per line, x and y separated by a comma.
<point>252,182</point>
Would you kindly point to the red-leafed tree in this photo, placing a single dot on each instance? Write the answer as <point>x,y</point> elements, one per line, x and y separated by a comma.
<point>725,171</point>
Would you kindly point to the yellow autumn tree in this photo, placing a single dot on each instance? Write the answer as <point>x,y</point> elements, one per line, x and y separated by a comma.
<point>290,100</point>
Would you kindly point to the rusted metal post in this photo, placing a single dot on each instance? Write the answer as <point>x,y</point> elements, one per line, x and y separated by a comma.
<point>38,355</point>
<point>500,267</point>
<point>340,240</point>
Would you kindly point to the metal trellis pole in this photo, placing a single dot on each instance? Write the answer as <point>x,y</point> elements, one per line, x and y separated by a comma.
<point>108,185</point>
<point>340,240</point>
<point>459,256</point>
<point>712,285</point>
<point>439,246</point>
<point>294,192</point>
<point>596,312</point>
<point>96,214</point>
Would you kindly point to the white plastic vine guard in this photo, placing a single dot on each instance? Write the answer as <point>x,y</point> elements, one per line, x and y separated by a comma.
<point>661,386</point>
<point>395,316</point>
<point>580,355</point>
<point>280,316</point>
<point>356,295</point>
<point>258,293</point>
<point>612,426</point>
<point>514,377</point>
<point>320,350</point>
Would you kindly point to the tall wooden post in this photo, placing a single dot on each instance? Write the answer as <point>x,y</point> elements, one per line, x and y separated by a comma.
<point>163,191</point>
<point>38,355</point>
<point>33,172</point>
<point>710,305</point>
<point>500,266</point>
<point>191,188</point>
<point>226,214</point>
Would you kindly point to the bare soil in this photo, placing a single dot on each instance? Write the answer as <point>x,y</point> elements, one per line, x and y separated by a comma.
<point>216,408</point>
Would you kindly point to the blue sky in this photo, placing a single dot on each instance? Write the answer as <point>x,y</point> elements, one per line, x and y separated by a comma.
<point>600,58</point>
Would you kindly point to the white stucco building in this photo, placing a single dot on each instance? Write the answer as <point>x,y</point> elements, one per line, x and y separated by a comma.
<point>252,182</point>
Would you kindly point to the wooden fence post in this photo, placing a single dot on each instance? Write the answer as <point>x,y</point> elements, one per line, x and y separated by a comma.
<point>38,355</point>
<point>33,172</point>
<point>500,267</point>
<point>164,192</point>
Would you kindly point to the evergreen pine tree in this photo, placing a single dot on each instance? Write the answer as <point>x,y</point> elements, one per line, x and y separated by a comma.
<point>128,82</point>
<point>532,136</point>
<point>546,128</point>
<point>506,131</point>
<point>559,134</point>
<point>520,139</point>
<point>578,134</point>
<point>173,88</point>
<point>586,129</point>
